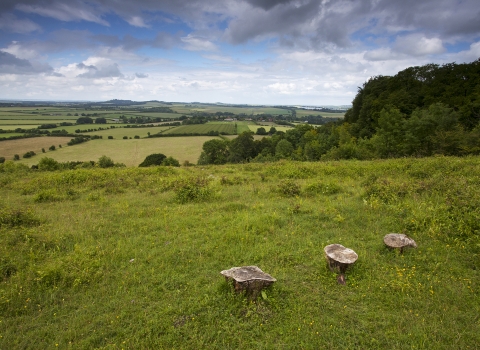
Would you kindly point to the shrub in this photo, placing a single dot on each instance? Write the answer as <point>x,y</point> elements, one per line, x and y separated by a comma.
<point>192,190</point>
<point>48,164</point>
<point>125,137</point>
<point>16,157</point>
<point>17,217</point>
<point>105,162</point>
<point>29,154</point>
<point>288,188</point>
<point>153,159</point>
<point>110,137</point>
<point>170,161</point>
<point>2,160</point>
<point>43,150</point>
<point>52,148</point>
<point>136,137</point>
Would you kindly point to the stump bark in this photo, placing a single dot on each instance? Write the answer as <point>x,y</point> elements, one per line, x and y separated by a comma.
<point>249,279</point>
<point>398,241</point>
<point>339,259</point>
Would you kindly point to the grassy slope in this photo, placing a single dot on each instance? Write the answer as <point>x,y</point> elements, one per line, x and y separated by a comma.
<point>130,152</point>
<point>117,262</point>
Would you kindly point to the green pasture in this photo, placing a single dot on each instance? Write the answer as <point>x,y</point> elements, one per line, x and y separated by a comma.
<point>191,108</point>
<point>129,132</point>
<point>10,134</point>
<point>130,152</point>
<point>226,127</point>
<point>303,112</point>
<point>254,128</point>
<point>130,258</point>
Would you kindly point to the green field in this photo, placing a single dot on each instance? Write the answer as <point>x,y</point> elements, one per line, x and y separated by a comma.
<point>254,128</point>
<point>190,108</point>
<point>130,258</point>
<point>225,127</point>
<point>130,152</point>
<point>303,112</point>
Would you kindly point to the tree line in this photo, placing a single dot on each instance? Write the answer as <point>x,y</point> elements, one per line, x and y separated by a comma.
<point>421,111</point>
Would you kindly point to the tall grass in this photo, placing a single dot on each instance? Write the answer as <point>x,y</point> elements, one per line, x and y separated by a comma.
<point>129,258</point>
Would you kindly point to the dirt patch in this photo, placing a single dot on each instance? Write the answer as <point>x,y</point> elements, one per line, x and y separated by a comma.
<point>9,148</point>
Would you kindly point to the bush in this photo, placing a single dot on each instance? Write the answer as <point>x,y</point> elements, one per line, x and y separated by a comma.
<point>136,137</point>
<point>29,154</point>
<point>153,159</point>
<point>105,162</point>
<point>48,164</point>
<point>192,190</point>
<point>125,137</point>
<point>16,157</point>
<point>110,137</point>
<point>2,160</point>
<point>51,148</point>
<point>288,188</point>
<point>170,161</point>
<point>17,217</point>
<point>43,150</point>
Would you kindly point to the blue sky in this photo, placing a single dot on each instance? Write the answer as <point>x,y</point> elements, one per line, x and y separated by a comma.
<point>295,52</point>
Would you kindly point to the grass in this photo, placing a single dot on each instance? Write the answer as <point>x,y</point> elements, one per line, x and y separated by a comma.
<point>11,147</point>
<point>129,152</point>
<point>203,128</point>
<point>303,112</point>
<point>113,258</point>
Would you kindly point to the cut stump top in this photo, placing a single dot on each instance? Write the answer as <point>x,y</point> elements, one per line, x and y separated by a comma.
<point>398,240</point>
<point>247,273</point>
<point>339,253</point>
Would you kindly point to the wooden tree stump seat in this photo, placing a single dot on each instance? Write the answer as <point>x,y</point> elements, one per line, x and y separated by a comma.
<point>339,258</point>
<point>249,279</point>
<point>398,240</point>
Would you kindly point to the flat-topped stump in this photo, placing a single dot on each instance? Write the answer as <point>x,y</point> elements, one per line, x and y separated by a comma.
<point>249,279</point>
<point>339,258</point>
<point>399,241</point>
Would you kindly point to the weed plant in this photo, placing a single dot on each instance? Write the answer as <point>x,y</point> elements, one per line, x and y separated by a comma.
<point>130,258</point>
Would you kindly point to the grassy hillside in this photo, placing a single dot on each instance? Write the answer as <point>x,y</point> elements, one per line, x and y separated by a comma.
<point>130,258</point>
<point>130,152</point>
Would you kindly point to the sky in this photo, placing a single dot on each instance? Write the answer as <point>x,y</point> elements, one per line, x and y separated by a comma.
<point>271,52</point>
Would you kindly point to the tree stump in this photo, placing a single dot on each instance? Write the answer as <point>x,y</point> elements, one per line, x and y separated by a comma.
<point>398,240</point>
<point>339,259</point>
<point>249,279</point>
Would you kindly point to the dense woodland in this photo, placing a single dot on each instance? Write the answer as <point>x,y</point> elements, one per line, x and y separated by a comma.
<point>421,111</point>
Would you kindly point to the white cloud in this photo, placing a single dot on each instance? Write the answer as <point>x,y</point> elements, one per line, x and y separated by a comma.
<point>64,12</point>
<point>137,21</point>
<point>194,43</point>
<point>418,45</point>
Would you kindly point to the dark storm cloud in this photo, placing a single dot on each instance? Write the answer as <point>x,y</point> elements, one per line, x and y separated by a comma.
<point>267,4</point>
<point>317,22</point>
<point>306,24</point>
<point>10,64</point>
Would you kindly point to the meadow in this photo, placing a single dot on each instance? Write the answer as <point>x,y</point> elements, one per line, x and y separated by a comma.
<point>130,258</point>
<point>130,152</point>
<point>224,127</point>
<point>304,112</point>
